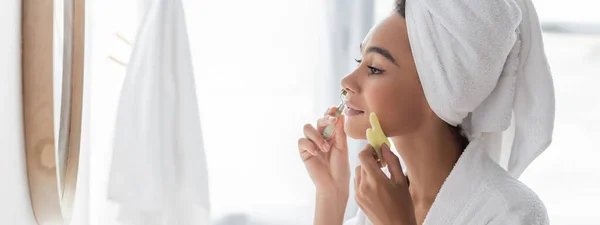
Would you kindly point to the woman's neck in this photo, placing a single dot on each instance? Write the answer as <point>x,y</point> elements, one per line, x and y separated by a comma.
<point>429,154</point>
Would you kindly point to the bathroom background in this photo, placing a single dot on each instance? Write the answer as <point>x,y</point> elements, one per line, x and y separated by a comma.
<point>263,68</point>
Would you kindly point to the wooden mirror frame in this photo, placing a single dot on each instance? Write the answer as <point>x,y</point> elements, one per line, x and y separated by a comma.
<point>51,187</point>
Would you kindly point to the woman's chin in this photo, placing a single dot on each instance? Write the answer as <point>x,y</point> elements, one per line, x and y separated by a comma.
<point>355,131</point>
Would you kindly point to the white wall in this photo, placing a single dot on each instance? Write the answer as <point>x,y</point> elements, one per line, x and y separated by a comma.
<point>15,206</point>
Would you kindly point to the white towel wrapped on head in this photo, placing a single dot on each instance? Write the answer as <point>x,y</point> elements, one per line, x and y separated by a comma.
<point>480,63</point>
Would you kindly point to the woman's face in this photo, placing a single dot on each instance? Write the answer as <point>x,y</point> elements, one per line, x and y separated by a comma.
<point>385,82</point>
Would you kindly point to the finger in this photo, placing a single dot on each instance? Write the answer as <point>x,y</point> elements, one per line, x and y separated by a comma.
<point>393,165</point>
<point>339,132</point>
<point>305,145</point>
<point>368,161</point>
<point>313,135</point>
<point>329,119</point>
<point>357,178</point>
<point>358,199</point>
<point>339,135</point>
<point>325,121</point>
<point>363,176</point>
<point>330,111</point>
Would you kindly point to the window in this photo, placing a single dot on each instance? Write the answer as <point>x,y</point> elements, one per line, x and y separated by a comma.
<point>254,66</point>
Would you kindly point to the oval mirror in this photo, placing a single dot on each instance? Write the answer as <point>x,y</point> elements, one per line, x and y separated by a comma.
<point>52,61</point>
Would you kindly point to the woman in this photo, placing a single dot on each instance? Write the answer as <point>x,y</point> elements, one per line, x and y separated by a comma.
<point>445,78</point>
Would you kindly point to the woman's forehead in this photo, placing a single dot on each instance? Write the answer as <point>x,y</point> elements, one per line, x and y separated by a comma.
<point>389,33</point>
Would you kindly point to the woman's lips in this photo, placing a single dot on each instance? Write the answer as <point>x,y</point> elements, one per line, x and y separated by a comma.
<point>352,112</point>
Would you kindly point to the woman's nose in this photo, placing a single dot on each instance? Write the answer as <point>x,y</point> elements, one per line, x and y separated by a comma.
<point>350,84</point>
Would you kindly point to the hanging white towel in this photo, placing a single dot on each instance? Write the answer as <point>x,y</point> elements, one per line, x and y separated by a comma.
<point>159,173</point>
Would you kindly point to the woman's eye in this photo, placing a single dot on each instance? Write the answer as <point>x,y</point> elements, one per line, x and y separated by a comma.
<point>374,71</point>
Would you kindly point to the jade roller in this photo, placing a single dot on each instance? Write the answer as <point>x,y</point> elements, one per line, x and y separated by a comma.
<point>340,109</point>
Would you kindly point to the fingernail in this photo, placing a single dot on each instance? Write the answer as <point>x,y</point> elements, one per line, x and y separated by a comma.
<point>332,119</point>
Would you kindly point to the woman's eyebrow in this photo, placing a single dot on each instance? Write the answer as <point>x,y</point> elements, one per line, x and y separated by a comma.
<point>382,51</point>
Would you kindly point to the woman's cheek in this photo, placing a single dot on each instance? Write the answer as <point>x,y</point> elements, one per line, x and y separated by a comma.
<point>390,109</point>
<point>379,101</point>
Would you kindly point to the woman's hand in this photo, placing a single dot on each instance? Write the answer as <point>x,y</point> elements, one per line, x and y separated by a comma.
<point>385,201</point>
<point>327,160</point>
<point>328,166</point>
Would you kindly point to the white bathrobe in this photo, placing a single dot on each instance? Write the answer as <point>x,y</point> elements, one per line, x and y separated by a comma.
<point>478,191</point>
